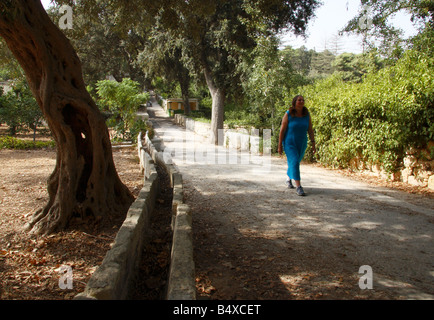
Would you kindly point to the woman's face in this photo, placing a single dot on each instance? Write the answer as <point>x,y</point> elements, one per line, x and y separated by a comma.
<point>300,102</point>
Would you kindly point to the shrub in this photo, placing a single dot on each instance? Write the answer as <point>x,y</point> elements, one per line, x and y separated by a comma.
<point>122,100</point>
<point>19,144</point>
<point>377,120</point>
<point>19,109</point>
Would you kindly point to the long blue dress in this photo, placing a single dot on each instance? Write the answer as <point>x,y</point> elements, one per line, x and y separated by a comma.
<point>295,143</point>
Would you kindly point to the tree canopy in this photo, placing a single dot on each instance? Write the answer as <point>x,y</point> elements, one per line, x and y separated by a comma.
<point>210,37</point>
<point>381,33</point>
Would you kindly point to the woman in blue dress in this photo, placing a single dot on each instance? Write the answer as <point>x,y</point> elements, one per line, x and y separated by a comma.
<point>296,124</point>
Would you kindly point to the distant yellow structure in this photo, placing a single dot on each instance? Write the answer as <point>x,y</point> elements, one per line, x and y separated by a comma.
<point>172,105</point>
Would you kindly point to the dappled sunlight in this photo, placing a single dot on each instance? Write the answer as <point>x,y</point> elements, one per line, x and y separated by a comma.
<point>248,224</point>
<point>366,225</point>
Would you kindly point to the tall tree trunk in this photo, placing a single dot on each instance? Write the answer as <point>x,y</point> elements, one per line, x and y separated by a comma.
<point>186,101</point>
<point>218,96</point>
<point>84,182</point>
<point>185,84</point>
<point>183,76</point>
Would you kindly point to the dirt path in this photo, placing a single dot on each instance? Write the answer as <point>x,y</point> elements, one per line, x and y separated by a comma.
<point>256,239</point>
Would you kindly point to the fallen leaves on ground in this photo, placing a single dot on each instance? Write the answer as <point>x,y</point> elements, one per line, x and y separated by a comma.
<point>29,265</point>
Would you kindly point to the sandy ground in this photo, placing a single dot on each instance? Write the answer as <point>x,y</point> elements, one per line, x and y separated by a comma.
<point>256,239</point>
<point>30,266</point>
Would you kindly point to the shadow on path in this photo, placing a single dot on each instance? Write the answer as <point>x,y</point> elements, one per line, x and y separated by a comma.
<point>256,239</point>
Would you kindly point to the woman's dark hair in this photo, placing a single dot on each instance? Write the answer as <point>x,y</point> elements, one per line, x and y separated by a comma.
<point>292,110</point>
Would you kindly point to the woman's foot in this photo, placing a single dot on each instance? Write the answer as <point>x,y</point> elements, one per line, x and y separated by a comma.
<point>300,191</point>
<point>289,184</point>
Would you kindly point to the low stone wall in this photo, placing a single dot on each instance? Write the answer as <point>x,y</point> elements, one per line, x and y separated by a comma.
<point>114,278</point>
<point>418,169</point>
<point>181,283</point>
<point>204,129</point>
<point>239,139</point>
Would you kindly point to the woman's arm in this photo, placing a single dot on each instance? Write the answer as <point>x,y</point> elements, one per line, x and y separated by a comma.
<point>311,135</point>
<point>282,132</point>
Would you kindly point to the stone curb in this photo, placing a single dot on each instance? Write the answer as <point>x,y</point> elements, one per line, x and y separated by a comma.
<point>114,277</point>
<point>181,283</point>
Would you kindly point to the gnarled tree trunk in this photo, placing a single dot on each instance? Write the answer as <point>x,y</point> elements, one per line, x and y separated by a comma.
<point>84,182</point>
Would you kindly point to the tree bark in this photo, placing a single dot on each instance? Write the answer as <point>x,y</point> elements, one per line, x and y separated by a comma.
<point>84,182</point>
<point>183,77</point>
<point>185,95</point>
<point>218,96</point>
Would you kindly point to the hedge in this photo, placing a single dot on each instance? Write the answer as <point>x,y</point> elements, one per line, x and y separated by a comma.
<point>377,121</point>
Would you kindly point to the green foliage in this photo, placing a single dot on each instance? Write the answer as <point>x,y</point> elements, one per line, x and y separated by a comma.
<point>121,96</point>
<point>424,41</point>
<point>378,120</point>
<point>321,64</point>
<point>243,118</point>
<point>19,109</point>
<point>268,75</point>
<point>19,144</point>
<point>352,67</point>
<point>122,100</point>
<point>102,44</point>
<point>382,34</point>
<point>165,88</point>
<point>9,67</point>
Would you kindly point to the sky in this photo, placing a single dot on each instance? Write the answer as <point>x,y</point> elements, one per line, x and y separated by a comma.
<point>330,18</point>
<point>46,3</point>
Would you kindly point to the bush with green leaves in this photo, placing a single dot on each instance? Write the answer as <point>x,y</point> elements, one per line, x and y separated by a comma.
<point>19,109</point>
<point>20,144</point>
<point>376,121</point>
<point>122,100</point>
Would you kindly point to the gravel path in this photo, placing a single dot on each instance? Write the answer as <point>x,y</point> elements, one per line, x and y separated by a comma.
<point>256,239</point>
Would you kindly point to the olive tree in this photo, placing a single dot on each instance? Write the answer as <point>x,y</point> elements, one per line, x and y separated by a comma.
<point>84,181</point>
